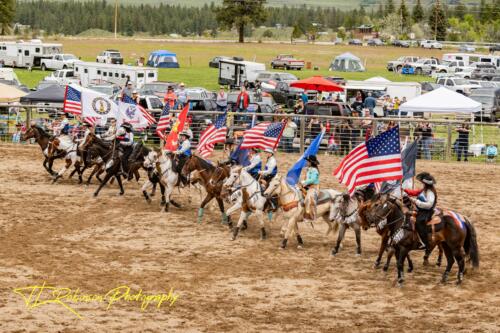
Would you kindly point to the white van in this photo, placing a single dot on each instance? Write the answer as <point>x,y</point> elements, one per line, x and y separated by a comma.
<point>235,73</point>
<point>93,72</point>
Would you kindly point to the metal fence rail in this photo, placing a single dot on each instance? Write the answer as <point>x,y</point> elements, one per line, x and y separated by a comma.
<point>342,133</point>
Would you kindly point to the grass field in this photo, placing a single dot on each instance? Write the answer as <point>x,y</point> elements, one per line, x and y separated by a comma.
<point>194,58</point>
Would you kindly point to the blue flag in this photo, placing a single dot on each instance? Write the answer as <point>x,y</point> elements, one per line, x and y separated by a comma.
<point>293,175</point>
<point>240,156</point>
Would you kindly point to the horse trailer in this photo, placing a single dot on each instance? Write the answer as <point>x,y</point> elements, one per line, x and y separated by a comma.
<point>97,73</point>
<point>26,54</point>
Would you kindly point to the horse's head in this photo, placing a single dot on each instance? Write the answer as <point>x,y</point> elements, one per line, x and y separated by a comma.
<point>376,209</point>
<point>274,187</point>
<point>150,159</point>
<point>89,140</point>
<point>31,132</point>
<point>234,175</point>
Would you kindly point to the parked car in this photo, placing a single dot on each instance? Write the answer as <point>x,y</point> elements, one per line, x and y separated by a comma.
<point>63,76</point>
<point>267,77</point>
<point>484,73</point>
<point>284,94</point>
<point>458,85</point>
<point>375,42</point>
<point>495,47</point>
<point>107,89</point>
<point>484,84</point>
<point>400,43</point>
<point>429,86</point>
<point>214,63</point>
<point>152,103</point>
<point>110,57</point>
<point>396,65</point>
<point>327,108</point>
<point>424,66</point>
<point>355,42</point>
<point>466,48</point>
<point>157,88</point>
<point>466,72</point>
<point>58,61</point>
<point>449,66</point>
<point>490,100</point>
<point>287,61</point>
<point>431,44</point>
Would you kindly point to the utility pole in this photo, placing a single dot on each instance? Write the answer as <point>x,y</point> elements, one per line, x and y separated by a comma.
<point>436,11</point>
<point>116,17</point>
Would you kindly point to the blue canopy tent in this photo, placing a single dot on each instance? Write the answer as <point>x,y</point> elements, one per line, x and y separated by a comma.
<point>163,59</point>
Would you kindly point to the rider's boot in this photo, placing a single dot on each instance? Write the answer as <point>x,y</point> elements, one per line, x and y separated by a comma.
<point>422,232</point>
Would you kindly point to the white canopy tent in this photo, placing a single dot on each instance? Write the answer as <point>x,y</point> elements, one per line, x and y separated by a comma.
<point>377,79</point>
<point>441,100</point>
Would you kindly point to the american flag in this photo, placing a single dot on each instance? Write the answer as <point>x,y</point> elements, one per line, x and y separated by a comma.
<point>262,136</point>
<point>91,120</point>
<point>215,133</point>
<point>376,160</point>
<point>150,119</point>
<point>164,121</point>
<point>72,101</point>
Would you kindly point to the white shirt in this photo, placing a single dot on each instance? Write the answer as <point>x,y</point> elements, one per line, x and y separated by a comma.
<point>270,165</point>
<point>253,162</point>
<point>110,133</point>
<point>185,146</point>
<point>430,198</point>
<point>222,99</point>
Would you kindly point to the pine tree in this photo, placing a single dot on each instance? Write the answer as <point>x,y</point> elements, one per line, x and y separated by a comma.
<point>437,21</point>
<point>240,14</point>
<point>460,10</point>
<point>405,17</point>
<point>418,12</point>
<point>389,9</point>
<point>7,12</point>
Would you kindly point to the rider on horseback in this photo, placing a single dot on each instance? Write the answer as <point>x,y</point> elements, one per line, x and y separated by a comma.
<point>110,134</point>
<point>183,152</point>
<point>311,184</point>
<point>271,168</point>
<point>425,202</point>
<point>125,137</point>
<point>255,164</point>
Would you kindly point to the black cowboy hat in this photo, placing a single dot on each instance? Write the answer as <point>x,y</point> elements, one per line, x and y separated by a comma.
<point>312,159</point>
<point>426,178</point>
<point>127,126</point>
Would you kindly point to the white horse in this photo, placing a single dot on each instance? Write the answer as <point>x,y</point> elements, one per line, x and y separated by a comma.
<point>345,212</point>
<point>64,143</point>
<point>251,201</point>
<point>291,202</point>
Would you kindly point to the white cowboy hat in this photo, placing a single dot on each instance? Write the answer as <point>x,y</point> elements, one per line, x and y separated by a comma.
<point>186,134</point>
<point>269,150</point>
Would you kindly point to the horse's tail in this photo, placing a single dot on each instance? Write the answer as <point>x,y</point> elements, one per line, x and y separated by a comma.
<point>470,244</point>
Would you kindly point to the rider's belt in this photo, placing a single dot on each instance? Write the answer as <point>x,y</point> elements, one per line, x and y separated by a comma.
<point>290,205</point>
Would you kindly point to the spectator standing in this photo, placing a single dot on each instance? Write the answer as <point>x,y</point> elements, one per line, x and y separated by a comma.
<point>221,100</point>
<point>344,134</point>
<point>395,108</point>
<point>426,140</point>
<point>170,98</point>
<point>315,128</point>
<point>356,129</point>
<point>182,97</point>
<point>463,142</point>
<point>304,97</point>
<point>128,90</point>
<point>403,101</point>
<point>288,136</point>
<point>387,106</point>
<point>366,126</point>
<point>370,103</point>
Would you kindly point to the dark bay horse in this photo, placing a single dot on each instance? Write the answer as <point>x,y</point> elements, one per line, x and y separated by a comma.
<point>457,237</point>
<point>44,140</point>
<point>211,178</point>
<point>108,152</point>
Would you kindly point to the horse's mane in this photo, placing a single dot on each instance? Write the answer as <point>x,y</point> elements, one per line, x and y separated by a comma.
<point>204,163</point>
<point>42,131</point>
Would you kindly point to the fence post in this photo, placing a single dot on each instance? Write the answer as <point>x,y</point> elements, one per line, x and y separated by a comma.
<point>448,143</point>
<point>302,134</point>
<point>28,117</point>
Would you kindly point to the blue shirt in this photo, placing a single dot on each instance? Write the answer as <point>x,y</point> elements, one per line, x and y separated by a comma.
<point>312,177</point>
<point>370,102</point>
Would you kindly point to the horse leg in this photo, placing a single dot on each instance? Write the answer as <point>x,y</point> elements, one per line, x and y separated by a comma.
<point>168,191</point>
<point>236,229</point>
<point>104,181</point>
<point>63,170</point>
<point>390,253</point>
<point>144,190</point>
<point>460,258</point>
<point>440,256</point>
<point>401,255</point>
<point>357,232</point>
<point>428,253</point>
<point>94,171</point>
<point>288,232</point>
<point>449,262</point>
<point>383,245</point>
<point>410,263</point>
<point>119,180</point>
<point>300,242</point>
<point>339,238</point>
<point>80,170</point>
<point>153,190</point>
<point>137,175</point>
<point>207,199</point>
<point>221,207</point>
<point>162,191</point>
<point>260,217</point>
<point>50,161</point>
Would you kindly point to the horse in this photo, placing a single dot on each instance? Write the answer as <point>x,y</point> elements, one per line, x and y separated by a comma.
<point>108,153</point>
<point>252,200</point>
<point>290,200</point>
<point>71,156</point>
<point>136,160</point>
<point>211,178</point>
<point>43,139</point>
<point>345,213</point>
<point>455,233</point>
<point>153,169</point>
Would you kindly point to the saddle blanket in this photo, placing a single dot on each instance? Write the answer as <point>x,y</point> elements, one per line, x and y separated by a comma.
<point>457,218</point>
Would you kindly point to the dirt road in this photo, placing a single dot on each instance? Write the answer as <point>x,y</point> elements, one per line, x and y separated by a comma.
<point>59,234</point>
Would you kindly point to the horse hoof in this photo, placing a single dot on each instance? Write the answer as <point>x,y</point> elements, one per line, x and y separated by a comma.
<point>122,193</point>
<point>438,264</point>
<point>283,243</point>
<point>244,226</point>
<point>385,268</point>
<point>148,200</point>
<point>95,195</point>
<point>444,279</point>
<point>410,269</point>
<point>334,252</point>
<point>263,234</point>
<point>376,264</point>
<point>400,283</point>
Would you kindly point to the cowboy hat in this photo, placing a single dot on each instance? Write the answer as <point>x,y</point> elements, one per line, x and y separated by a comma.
<point>127,126</point>
<point>426,178</point>
<point>312,159</point>
<point>186,134</point>
<point>269,150</point>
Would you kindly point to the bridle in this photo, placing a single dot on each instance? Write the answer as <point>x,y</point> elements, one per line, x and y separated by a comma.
<point>389,211</point>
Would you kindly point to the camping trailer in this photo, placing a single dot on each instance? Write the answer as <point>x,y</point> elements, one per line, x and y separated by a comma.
<point>93,72</point>
<point>163,59</point>
<point>234,73</point>
<point>26,54</point>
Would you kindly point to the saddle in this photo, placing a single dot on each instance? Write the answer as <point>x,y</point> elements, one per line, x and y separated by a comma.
<point>323,197</point>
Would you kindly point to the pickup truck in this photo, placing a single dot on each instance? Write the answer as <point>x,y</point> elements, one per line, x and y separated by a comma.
<point>424,65</point>
<point>449,66</point>
<point>431,44</point>
<point>396,65</point>
<point>63,77</point>
<point>458,85</point>
<point>58,61</point>
<point>110,57</point>
<point>287,61</point>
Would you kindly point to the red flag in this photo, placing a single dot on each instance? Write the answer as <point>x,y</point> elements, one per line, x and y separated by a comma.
<point>173,137</point>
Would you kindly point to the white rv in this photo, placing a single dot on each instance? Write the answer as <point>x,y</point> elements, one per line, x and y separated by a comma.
<point>234,73</point>
<point>93,72</point>
<point>470,58</point>
<point>26,54</point>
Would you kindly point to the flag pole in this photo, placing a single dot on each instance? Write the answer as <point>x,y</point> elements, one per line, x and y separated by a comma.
<point>284,121</point>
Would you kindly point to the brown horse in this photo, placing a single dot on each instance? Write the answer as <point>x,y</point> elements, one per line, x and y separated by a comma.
<point>44,140</point>
<point>456,236</point>
<point>212,179</point>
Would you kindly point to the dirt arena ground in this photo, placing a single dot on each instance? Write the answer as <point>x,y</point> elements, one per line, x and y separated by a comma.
<point>61,235</point>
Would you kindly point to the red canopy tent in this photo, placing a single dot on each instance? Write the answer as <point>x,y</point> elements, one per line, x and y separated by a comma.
<point>318,83</point>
